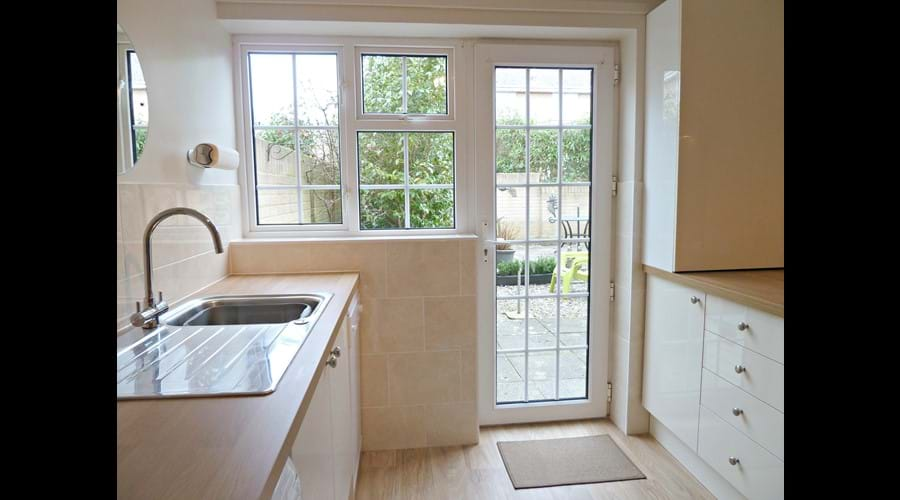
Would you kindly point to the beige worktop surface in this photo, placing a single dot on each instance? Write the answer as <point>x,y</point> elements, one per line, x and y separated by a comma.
<point>227,447</point>
<point>762,289</point>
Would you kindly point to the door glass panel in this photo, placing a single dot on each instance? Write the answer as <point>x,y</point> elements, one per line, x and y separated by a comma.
<point>542,162</point>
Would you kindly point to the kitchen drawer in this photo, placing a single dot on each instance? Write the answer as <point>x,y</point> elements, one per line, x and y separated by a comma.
<point>758,474</point>
<point>757,420</point>
<point>763,332</point>
<point>761,376</point>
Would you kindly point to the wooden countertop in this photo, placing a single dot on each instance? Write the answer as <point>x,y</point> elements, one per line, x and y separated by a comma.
<point>228,447</point>
<point>762,289</point>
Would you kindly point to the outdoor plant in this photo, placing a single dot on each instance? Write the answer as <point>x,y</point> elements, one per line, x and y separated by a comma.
<point>506,231</point>
<point>541,265</point>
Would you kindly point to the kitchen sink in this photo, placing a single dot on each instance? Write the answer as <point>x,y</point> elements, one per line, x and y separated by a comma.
<point>217,346</point>
<point>242,310</point>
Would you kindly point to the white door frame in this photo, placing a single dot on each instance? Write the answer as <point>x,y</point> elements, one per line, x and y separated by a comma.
<point>602,58</point>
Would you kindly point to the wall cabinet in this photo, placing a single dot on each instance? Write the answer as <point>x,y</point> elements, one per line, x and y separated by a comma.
<point>714,135</point>
<point>719,392</point>
<point>327,447</point>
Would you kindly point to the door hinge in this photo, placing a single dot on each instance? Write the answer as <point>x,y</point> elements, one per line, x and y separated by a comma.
<point>609,392</point>
<point>617,72</point>
<point>612,291</point>
<point>615,185</point>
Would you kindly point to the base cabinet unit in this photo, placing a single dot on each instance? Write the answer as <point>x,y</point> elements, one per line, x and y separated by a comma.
<point>714,378</point>
<point>326,449</point>
<point>673,349</point>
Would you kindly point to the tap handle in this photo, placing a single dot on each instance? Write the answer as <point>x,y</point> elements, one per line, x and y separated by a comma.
<point>137,305</point>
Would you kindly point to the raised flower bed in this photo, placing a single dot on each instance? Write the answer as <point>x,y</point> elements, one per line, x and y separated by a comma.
<point>540,272</point>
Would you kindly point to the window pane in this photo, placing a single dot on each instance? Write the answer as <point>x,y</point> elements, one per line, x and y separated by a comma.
<point>321,206</point>
<point>426,85</point>
<point>573,374</point>
<point>576,161</point>
<point>140,137</point>
<point>510,144</point>
<point>382,84</point>
<point>276,163</point>
<point>381,209</point>
<point>431,208</point>
<point>510,384</point>
<point>317,93</point>
<point>277,206</point>
<point>541,375</point>
<point>576,97</point>
<point>319,162</point>
<point>543,93</point>
<point>272,89</point>
<point>544,154</point>
<point>510,96</point>
<point>431,158</point>
<point>380,157</point>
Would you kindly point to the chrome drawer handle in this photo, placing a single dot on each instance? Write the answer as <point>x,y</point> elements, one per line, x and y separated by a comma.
<point>736,412</point>
<point>743,326</point>
<point>332,361</point>
<point>739,369</point>
<point>695,299</point>
<point>733,460</point>
<point>336,351</point>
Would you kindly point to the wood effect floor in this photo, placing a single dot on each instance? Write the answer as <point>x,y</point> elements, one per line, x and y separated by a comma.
<point>477,471</point>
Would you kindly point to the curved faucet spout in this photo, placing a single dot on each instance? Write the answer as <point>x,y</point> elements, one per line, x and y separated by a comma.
<point>148,318</point>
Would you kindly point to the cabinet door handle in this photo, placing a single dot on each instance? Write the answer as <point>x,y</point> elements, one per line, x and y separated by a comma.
<point>332,361</point>
<point>336,351</point>
<point>743,326</point>
<point>739,369</point>
<point>733,460</point>
<point>736,412</point>
<point>695,299</point>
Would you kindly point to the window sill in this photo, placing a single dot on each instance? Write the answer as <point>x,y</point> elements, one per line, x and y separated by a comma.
<point>333,239</point>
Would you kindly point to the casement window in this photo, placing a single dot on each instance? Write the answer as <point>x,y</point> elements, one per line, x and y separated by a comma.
<point>380,158</point>
<point>295,132</point>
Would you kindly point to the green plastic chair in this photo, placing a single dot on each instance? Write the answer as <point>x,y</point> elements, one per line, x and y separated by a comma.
<point>574,266</point>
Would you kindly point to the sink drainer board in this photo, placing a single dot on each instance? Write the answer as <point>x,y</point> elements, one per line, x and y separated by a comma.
<point>196,360</point>
<point>556,462</point>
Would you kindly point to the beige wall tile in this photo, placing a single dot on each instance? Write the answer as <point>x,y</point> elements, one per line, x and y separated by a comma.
<point>393,325</point>
<point>468,375</point>
<point>428,377</point>
<point>450,322</point>
<point>393,428</point>
<point>468,259</point>
<point>373,380</point>
<point>422,268</point>
<point>451,424</point>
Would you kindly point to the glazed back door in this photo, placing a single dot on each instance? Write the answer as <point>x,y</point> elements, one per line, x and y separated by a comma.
<point>544,146</point>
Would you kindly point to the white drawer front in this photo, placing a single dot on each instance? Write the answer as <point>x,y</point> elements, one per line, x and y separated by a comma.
<point>757,475</point>
<point>761,376</point>
<point>763,332</point>
<point>759,421</point>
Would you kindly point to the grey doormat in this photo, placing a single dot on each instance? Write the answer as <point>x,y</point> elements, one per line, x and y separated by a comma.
<point>557,462</point>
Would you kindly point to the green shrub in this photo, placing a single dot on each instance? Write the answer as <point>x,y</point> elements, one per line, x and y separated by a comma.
<point>541,265</point>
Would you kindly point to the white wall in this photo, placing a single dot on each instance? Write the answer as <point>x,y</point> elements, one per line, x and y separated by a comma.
<point>186,57</point>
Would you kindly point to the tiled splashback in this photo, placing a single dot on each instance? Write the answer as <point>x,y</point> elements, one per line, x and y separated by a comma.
<point>182,249</point>
<point>418,331</point>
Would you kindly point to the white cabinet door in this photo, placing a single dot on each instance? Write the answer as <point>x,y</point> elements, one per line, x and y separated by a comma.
<point>313,451</point>
<point>353,358</point>
<point>673,350</point>
<point>342,435</point>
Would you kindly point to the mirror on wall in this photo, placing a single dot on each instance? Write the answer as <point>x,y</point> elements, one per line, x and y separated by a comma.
<point>132,108</point>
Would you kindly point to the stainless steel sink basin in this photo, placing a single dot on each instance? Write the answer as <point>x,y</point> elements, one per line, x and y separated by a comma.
<point>242,310</point>
<point>217,346</point>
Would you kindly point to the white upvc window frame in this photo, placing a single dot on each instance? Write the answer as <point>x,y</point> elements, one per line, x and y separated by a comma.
<point>352,121</point>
